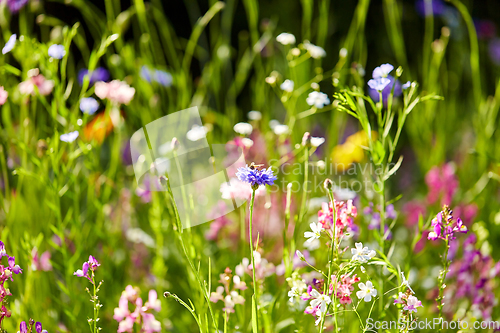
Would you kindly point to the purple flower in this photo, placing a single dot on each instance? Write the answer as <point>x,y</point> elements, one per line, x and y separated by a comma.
<point>23,327</point>
<point>91,265</point>
<point>390,212</point>
<point>3,253</point>
<point>379,84</point>
<point>437,8</point>
<point>255,177</point>
<point>10,44</point>
<point>99,74</point>
<point>84,272</point>
<point>57,51</point>
<point>12,265</point>
<point>386,90</point>
<point>69,137</point>
<point>494,50</point>
<point>16,5</point>
<point>38,327</point>
<point>89,105</point>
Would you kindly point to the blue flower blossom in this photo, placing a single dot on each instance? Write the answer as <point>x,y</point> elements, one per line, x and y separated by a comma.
<point>10,44</point>
<point>386,91</point>
<point>69,137</point>
<point>163,78</point>
<point>382,71</point>
<point>155,75</point>
<point>256,177</point>
<point>57,51</point>
<point>89,105</point>
<point>379,84</point>
<point>99,74</point>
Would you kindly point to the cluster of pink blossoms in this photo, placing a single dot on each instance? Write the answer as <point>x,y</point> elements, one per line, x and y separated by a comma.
<point>116,91</point>
<point>141,315</point>
<point>410,303</point>
<point>5,274</point>
<point>344,213</point>
<point>444,226</point>
<point>87,266</point>
<point>344,288</point>
<point>43,85</point>
<point>232,297</point>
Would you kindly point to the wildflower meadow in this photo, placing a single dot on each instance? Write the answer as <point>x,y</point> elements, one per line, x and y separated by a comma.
<point>249,166</point>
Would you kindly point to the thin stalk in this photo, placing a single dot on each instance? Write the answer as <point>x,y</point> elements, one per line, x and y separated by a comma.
<point>250,238</point>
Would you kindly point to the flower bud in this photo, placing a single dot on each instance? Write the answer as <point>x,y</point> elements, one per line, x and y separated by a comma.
<point>328,184</point>
<point>163,181</point>
<point>175,144</point>
<point>306,139</point>
<point>300,255</point>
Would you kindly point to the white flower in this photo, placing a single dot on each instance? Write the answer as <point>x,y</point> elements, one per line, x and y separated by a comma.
<point>273,123</point>
<point>254,115</point>
<point>285,38</point>
<point>318,99</point>
<point>196,133</point>
<point>315,51</point>
<point>312,245</point>
<point>287,85</point>
<point>362,254</point>
<point>243,128</point>
<point>320,299</point>
<point>280,129</point>
<point>316,142</point>
<point>294,292</point>
<point>236,298</point>
<point>405,282</point>
<point>247,142</point>
<point>366,291</point>
<point>316,232</point>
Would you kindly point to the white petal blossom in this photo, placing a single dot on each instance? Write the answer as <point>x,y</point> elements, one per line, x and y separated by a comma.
<point>287,85</point>
<point>362,254</point>
<point>317,99</point>
<point>285,38</point>
<point>315,233</point>
<point>243,128</point>
<point>320,299</point>
<point>366,291</point>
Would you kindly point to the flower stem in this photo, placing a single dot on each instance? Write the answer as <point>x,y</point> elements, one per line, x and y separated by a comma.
<point>250,238</point>
<point>442,277</point>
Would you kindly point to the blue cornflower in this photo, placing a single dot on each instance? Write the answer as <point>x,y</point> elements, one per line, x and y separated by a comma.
<point>379,84</point>
<point>256,177</point>
<point>89,105</point>
<point>57,51</point>
<point>69,137</point>
<point>99,74</point>
<point>10,44</point>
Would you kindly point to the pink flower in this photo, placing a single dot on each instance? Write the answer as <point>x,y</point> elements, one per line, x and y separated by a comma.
<point>41,263</point>
<point>43,85</point>
<point>153,302</point>
<point>442,184</point>
<point>116,91</point>
<point>3,96</point>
